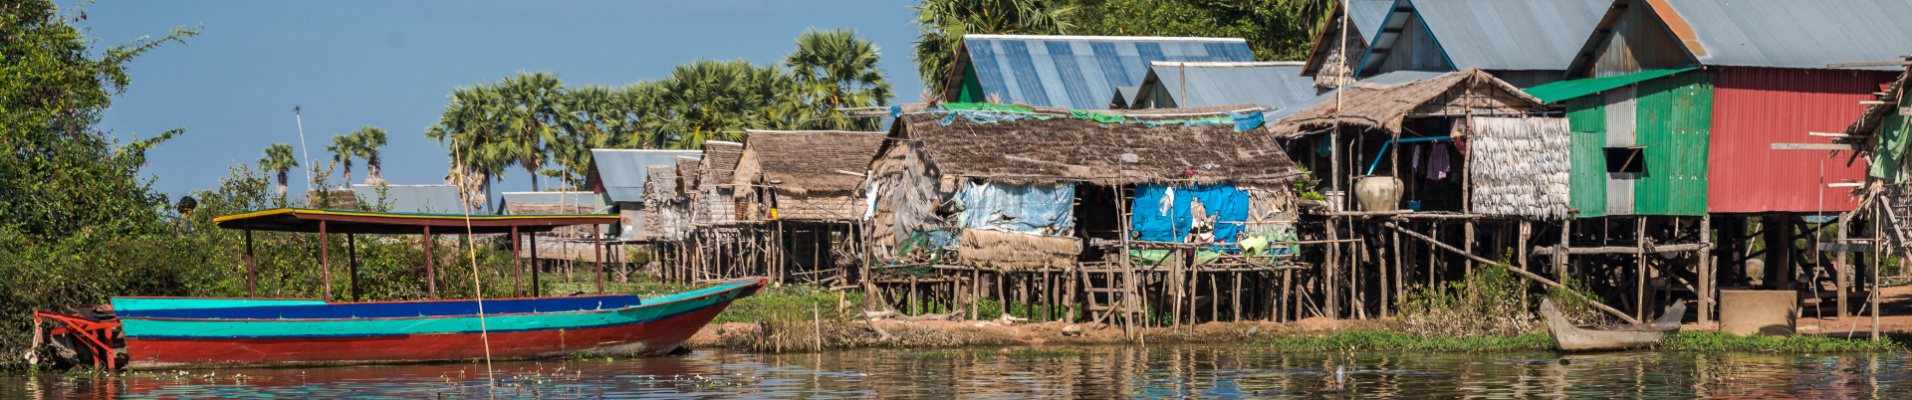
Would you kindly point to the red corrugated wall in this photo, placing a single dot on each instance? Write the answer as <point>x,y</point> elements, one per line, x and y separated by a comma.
<point>1756,107</point>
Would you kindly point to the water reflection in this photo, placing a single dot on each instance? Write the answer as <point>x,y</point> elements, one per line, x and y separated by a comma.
<point>1101,372</point>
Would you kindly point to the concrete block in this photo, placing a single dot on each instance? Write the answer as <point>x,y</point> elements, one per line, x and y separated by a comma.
<point>1767,312</point>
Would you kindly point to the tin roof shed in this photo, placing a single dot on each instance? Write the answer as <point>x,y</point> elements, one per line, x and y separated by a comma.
<point>1076,72</point>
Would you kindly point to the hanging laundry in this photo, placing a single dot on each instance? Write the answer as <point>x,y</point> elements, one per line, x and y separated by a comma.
<point>1437,162</point>
<point>1168,201</point>
<point>1416,152</point>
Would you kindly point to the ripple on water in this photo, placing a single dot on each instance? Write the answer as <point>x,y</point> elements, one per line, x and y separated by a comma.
<point>1096,372</point>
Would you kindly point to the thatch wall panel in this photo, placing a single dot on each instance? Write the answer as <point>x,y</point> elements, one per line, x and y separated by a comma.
<point>1520,167</point>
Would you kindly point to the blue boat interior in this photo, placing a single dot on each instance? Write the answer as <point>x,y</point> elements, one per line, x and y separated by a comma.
<point>390,309</point>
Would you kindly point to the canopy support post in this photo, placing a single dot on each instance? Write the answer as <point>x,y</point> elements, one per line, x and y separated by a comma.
<point>431,275</point>
<point>252,269</point>
<point>517,266</point>
<point>351,252</point>
<point>325,261</point>
<point>597,250</point>
<point>534,266</point>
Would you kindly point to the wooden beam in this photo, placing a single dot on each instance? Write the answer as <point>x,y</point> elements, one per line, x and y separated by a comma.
<point>1521,272</point>
<point>1830,134</point>
<point>1870,64</point>
<point>1846,247</point>
<point>1813,146</point>
<point>1665,248</point>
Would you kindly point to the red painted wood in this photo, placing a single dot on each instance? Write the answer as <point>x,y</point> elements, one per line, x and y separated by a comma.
<point>1756,107</point>
<point>656,337</point>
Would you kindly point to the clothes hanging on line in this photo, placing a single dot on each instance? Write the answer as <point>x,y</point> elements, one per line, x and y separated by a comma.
<point>1437,162</point>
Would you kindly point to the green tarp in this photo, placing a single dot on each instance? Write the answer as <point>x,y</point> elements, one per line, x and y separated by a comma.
<point>1887,163</point>
<point>1564,90</point>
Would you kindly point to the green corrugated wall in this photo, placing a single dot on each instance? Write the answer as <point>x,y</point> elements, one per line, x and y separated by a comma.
<point>1588,117</point>
<point>1674,118</point>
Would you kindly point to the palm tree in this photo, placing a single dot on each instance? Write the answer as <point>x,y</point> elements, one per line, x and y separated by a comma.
<point>370,139</point>
<point>471,129</point>
<point>943,23</point>
<point>530,115</point>
<point>279,159</point>
<point>343,148</point>
<point>708,99</point>
<point>837,69</point>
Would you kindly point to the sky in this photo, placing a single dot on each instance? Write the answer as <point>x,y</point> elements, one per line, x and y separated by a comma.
<point>391,64</point>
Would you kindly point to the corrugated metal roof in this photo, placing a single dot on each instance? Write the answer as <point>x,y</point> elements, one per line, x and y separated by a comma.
<point>1125,96</point>
<point>1391,78</point>
<point>416,198</point>
<point>1081,72</point>
<point>1791,33</point>
<point>622,171</point>
<point>550,197</point>
<point>1497,34</point>
<point>1277,85</point>
<point>1367,15</point>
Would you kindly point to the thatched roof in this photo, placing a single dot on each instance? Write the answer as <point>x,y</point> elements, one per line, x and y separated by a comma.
<point>1067,149</point>
<point>686,175</point>
<point>800,162</point>
<point>719,162</point>
<point>1383,107</point>
<point>660,184</point>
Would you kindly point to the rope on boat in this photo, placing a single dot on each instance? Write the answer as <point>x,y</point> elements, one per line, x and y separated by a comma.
<point>478,292</point>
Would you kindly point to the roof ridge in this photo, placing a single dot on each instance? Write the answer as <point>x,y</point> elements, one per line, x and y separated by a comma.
<point>1108,38</point>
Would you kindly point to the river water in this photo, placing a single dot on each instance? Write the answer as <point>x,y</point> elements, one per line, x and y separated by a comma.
<point>1220,371</point>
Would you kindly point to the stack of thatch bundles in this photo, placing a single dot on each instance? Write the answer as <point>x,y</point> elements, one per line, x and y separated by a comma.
<point>1519,166</point>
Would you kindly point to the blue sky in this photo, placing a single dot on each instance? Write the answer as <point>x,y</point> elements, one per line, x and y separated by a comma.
<point>391,64</point>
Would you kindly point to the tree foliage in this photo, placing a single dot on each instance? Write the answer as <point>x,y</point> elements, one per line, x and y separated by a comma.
<point>534,122</point>
<point>941,25</point>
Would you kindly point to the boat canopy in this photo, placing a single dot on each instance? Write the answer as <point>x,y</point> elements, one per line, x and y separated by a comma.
<point>349,221</point>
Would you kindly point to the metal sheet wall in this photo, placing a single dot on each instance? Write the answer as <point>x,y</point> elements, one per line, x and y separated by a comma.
<point>1756,107</point>
<point>1673,123</point>
<point>1588,118</point>
<point>1637,41</point>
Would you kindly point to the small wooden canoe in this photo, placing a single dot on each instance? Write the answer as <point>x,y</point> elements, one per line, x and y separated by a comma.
<point>1616,337</point>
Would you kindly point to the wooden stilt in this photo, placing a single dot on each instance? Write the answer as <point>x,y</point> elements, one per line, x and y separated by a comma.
<point>1237,308</point>
<point>1467,241</point>
<point>1878,254</point>
<point>1639,288</point>
<point>597,248</point>
<point>1706,261</point>
<point>1333,261</point>
<point>1523,273</point>
<point>1400,272</point>
<point>1287,295</point>
<point>1560,257</point>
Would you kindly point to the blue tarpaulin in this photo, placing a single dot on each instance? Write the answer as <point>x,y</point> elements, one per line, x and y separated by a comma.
<point>1157,220</point>
<point>1046,209</point>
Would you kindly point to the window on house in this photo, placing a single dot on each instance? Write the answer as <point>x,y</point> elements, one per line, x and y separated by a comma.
<point>1626,159</point>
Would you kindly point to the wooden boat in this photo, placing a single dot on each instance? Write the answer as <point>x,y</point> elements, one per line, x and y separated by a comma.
<point>170,332</point>
<point>175,332</point>
<point>1567,337</point>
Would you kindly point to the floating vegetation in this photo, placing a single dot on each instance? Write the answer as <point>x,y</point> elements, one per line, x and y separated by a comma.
<point>1383,341</point>
<point>1719,341</point>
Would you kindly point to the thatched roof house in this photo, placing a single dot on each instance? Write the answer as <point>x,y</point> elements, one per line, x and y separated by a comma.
<point>1001,185</point>
<point>803,175</point>
<point>1384,107</point>
<point>668,213</point>
<point>713,203</point>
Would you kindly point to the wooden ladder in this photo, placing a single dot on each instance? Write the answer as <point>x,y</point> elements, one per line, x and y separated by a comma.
<point>1106,290</point>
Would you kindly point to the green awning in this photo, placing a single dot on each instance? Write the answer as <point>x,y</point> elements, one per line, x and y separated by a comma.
<point>1563,90</point>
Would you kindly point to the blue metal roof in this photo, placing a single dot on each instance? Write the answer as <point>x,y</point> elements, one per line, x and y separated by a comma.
<point>1795,34</point>
<point>1391,78</point>
<point>429,199</point>
<point>1277,85</point>
<point>1497,34</point>
<point>622,171</point>
<point>1367,15</point>
<point>1081,72</point>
